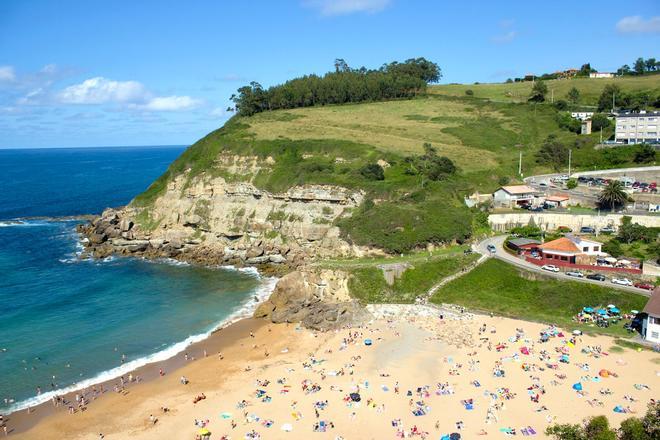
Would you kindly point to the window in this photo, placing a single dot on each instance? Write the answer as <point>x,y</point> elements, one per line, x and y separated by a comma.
<point>585,249</point>
<point>564,258</point>
<point>596,248</point>
<point>655,335</point>
<point>654,320</point>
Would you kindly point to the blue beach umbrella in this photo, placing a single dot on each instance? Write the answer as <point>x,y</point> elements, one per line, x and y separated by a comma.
<point>577,386</point>
<point>588,309</point>
<point>602,312</point>
<point>367,342</point>
<point>615,311</point>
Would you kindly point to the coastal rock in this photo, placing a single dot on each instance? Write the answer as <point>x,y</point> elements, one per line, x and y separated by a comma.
<point>125,225</point>
<point>97,238</point>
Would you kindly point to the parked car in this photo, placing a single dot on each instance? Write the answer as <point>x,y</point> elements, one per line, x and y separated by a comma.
<point>645,286</point>
<point>491,248</point>
<point>608,230</point>
<point>575,274</point>
<point>596,277</point>
<point>622,281</point>
<point>537,209</point>
<point>587,230</point>
<point>550,268</point>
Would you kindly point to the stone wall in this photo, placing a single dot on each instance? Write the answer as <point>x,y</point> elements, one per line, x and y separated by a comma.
<point>551,221</point>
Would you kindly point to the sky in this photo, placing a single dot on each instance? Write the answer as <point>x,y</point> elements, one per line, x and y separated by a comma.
<point>121,73</point>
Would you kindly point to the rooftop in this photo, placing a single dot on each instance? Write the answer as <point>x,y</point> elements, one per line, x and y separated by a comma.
<point>518,189</point>
<point>562,244</point>
<point>523,241</point>
<point>636,115</point>
<point>653,305</point>
<point>557,198</point>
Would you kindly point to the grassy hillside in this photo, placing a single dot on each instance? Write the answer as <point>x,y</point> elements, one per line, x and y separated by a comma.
<point>331,144</point>
<point>498,287</point>
<point>590,89</point>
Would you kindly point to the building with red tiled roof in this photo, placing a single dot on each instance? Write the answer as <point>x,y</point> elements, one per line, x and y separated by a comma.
<point>570,249</point>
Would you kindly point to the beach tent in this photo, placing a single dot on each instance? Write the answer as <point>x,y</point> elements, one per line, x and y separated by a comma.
<point>288,427</point>
<point>367,342</point>
<point>619,409</point>
<point>355,397</point>
<point>577,386</point>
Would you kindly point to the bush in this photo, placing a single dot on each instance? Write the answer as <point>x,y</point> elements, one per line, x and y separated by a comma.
<point>528,231</point>
<point>613,247</point>
<point>600,120</point>
<point>469,92</point>
<point>561,105</point>
<point>565,121</point>
<point>644,154</point>
<point>571,184</point>
<point>373,171</point>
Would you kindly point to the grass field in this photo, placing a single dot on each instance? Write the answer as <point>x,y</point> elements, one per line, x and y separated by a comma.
<point>590,89</point>
<point>497,287</point>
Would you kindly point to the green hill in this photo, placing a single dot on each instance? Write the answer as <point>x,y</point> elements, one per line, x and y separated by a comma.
<point>333,144</point>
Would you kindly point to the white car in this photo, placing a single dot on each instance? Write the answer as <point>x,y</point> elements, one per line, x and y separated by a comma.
<point>575,274</point>
<point>550,268</point>
<point>622,281</point>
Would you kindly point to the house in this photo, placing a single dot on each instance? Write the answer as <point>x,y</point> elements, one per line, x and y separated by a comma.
<point>523,244</point>
<point>514,196</point>
<point>557,201</point>
<point>637,128</point>
<point>585,128</point>
<point>582,115</point>
<point>570,250</point>
<point>651,324</point>
<point>601,75</point>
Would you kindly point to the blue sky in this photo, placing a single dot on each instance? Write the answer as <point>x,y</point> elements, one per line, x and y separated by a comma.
<point>94,73</point>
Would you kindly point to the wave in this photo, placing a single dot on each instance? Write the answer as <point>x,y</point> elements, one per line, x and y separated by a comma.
<point>244,310</point>
<point>23,223</point>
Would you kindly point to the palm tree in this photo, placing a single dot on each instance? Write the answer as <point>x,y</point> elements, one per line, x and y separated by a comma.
<point>613,195</point>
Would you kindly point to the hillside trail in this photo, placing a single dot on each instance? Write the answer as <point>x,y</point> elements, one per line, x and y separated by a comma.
<point>424,299</point>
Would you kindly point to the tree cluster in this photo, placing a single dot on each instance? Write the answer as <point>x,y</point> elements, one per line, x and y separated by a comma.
<point>613,97</point>
<point>552,153</point>
<point>641,66</point>
<point>430,165</point>
<point>598,428</point>
<point>344,85</point>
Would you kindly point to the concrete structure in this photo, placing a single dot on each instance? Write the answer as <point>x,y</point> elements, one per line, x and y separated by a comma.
<point>586,126</point>
<point>513,196</point>
<point>521,244</point>
<point>571,250</point>
<point>637,128</point>
<point>601,75</point>
<point>651,324</point>
<point>552,221</point>
<point>582,115</point>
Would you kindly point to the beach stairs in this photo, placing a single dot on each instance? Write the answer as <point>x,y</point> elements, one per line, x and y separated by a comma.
<point>424,299</point>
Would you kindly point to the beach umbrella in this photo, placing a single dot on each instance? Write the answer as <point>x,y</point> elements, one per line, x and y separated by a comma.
<point>624,262</point>
<point>577,386</point>
<point>445,437</point>
<point>588,309</point>
<point>615,310</point>
<point>355,397</point>
<point>610,259</point>
<point>609,306</point>
<point>577,332</point>
<point>367,342</point>
<point>619,409</point>
<point>454,436</point>
<point>204,431</point>
<point>604,373</point>
<point>634,312</point>
<point>288,427</point>
<point>602,312</point>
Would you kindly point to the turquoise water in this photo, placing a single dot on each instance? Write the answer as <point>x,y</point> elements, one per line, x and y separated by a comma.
<point>66,322</point>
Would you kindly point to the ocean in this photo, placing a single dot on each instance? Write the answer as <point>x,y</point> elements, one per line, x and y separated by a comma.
<point>67,322</point>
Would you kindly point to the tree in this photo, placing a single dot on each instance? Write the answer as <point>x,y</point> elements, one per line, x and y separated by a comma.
<point>644,154</point>
<point>598,121</point>
<point>539,90</point>
<point>585,70</point>
<point>651,65</point>
<point>613,247</point>
<point>341,65</point>
<point>608,96</point>
<point>552,153</point>
<point>373,171</point>
<point>571,184</point>
<point>623,70</point>
<point>613,195</point>
<point>633,429</point>
<point>430,165</point>
<point>573,96</point>
<point>640,66</point>
<point>595,428</point>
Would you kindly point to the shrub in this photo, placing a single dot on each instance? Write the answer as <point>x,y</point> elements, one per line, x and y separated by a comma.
<point>571,184</point>
<point>469,92</point>
<point>644,154</point>
<point>598,121</point>
<point>373,171</point>
<point>561,105</point>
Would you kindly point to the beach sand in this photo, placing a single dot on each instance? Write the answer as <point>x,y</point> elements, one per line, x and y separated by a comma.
<point>416,361</point>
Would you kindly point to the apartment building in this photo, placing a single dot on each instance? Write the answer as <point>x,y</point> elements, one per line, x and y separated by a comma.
<point>637,128</point>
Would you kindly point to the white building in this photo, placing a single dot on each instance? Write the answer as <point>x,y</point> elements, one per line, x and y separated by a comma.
<point>516,195</point>
<point>582,115</point>
<point>637,128</point>
<point>601,75</point>
<point>651,324</point>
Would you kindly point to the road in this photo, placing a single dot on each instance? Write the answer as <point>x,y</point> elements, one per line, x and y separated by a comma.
<point>501,254</point>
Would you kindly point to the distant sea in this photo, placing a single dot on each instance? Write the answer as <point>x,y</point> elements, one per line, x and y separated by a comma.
<point>67,322</point>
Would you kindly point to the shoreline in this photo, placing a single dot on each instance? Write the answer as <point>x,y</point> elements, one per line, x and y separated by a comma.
<point>25,419</point>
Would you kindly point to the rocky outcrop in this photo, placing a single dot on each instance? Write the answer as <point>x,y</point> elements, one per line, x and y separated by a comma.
<point>216,222</point>
<point>318,299</point>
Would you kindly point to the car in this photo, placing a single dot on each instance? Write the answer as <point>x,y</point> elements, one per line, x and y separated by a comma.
<point>537,209</point>
<point>543,184</point>
<point>587,230</point>
<point>575,274</point>
<point>550,268</point>
<point>645,286</point>
<point>596,277</point>
<point>491,248</point>
<point>622,281</point>
<point>607,230</point>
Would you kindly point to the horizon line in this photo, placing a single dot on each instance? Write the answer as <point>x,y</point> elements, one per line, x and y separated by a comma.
<point>95,147</point>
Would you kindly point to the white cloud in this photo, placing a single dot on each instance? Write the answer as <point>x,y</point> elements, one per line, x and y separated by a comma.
<point>7,73</point>
<point>171,103</point>
<point>505,38</point>
<point>638,25</point>
<point>100,90</point>
<point>344,7</point>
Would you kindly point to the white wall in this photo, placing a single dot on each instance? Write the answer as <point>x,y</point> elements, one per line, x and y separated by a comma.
<point>651,331</point>
<point>551,221</point>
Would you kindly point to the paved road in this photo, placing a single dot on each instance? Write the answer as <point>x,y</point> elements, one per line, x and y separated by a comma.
<point>503,255</point>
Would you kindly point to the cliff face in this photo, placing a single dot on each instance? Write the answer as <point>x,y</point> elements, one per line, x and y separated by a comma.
<point>222,221</point>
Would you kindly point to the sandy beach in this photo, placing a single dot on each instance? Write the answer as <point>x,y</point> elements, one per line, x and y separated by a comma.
<point>409,373</point>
